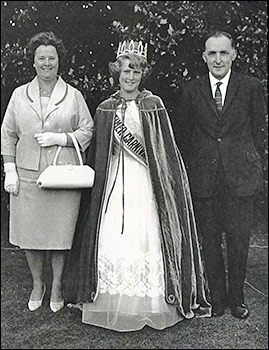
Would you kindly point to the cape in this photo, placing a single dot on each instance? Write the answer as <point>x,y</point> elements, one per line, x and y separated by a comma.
<point>185,283</point>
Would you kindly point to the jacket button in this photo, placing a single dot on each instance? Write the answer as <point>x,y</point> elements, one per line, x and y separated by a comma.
<point>219,139</point>
<point>47,124</point>
<point>171,298</point>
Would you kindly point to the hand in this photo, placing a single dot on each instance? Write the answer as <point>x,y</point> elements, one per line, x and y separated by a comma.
<point>47,139</point>
<point>12,182</point>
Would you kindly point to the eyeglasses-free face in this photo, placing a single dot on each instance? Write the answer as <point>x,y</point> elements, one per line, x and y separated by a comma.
<point>130,78</point>
<point>46,62</point>
<point>219,55</point>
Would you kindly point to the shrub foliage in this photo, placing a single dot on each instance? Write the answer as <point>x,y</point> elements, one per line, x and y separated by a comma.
<point>91,31</point>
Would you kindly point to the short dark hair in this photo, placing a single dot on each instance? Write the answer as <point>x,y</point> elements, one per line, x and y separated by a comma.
<point>45,38</point>
<point>218,33</point>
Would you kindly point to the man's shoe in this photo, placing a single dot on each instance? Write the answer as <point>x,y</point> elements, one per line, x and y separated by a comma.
<point>217,310</point>
<point>240,311</point>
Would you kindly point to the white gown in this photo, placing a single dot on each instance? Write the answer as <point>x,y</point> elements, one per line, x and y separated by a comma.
<point>130,263</point>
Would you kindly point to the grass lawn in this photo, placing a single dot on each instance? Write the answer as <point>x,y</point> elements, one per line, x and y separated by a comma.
<point>42,329</point>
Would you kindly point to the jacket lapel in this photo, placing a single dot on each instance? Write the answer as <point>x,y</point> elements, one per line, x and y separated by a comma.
<point>32,91</point>
<point>58,94</point>
<point>231,90</point>
<point>233,85</point>
<point>206,91</point>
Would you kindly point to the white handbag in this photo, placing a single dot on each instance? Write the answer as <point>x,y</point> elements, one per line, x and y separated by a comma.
<point>67,176</point>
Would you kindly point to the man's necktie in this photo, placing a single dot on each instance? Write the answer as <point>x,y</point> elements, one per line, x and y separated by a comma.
<point>218,98</point>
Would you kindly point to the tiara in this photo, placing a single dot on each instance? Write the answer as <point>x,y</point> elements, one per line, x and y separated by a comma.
<point>133,47</point>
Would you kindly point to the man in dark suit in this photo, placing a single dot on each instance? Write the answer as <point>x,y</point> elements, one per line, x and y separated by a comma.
<point>222,142</point>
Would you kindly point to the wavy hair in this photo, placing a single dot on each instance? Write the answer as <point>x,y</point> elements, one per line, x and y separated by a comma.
<point>45,38</point>
<point>136,62</point>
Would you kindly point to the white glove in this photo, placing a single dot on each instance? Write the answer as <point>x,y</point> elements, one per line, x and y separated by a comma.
<point>12,182</point>
<point>47,139</point>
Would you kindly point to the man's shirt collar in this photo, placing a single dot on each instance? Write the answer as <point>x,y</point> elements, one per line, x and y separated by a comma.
<point>214,81</point>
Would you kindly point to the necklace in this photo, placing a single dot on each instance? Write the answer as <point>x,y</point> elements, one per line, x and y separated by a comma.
<point>46,92</point>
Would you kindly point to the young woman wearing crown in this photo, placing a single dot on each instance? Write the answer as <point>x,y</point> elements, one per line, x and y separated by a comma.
<point>136,258</point>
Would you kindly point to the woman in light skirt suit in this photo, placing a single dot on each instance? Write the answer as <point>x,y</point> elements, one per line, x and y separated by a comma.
<point>38,118</point>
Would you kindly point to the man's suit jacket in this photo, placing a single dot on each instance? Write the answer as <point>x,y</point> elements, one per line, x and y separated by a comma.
<point>235,137</point>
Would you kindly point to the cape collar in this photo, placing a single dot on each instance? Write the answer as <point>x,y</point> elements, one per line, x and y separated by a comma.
<point>119,99</point>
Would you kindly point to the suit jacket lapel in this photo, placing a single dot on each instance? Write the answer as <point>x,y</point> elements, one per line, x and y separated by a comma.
<point>233,85</point>
<point>231,90</point>
<point>206,91</point>
<point>32,91</point>
<point>58,94</point>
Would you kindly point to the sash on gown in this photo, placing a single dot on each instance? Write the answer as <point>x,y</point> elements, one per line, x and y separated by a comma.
<point>129,133</point>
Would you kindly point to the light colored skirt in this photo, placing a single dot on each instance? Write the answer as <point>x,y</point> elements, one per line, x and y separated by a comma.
<point>42,219</point>
<point>131,291</point>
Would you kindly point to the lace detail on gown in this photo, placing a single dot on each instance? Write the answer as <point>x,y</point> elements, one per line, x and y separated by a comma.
<point>130,265</point>
<point>141,276</point>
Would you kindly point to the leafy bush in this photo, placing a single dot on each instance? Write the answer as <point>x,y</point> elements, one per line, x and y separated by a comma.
<point>91,31</point>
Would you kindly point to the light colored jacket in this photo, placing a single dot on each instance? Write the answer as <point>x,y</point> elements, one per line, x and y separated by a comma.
<point>67,112</point>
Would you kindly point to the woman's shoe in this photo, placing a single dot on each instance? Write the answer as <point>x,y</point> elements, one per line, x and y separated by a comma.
<point>36,304</point>
<point>56,306</point>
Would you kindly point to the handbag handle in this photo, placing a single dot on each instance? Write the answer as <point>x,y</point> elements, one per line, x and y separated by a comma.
<point>76,147</point>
